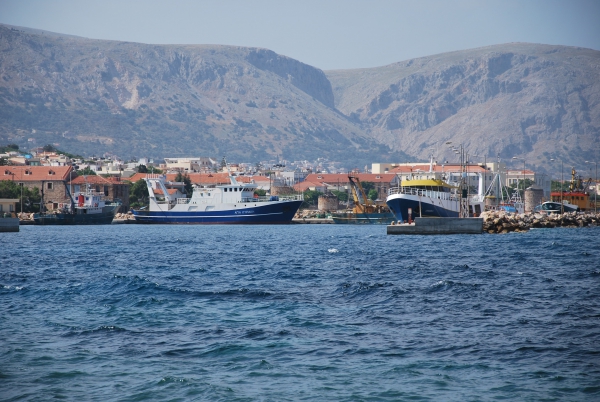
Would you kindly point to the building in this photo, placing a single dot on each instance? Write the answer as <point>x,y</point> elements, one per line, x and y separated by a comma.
<point>49,180</point>
<point>113,188</point>
<point>200,164</point>
<point>8,206</point>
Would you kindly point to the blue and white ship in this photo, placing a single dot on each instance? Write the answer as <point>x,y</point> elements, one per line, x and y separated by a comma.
<point>426,194</point>
<point>234,203</point>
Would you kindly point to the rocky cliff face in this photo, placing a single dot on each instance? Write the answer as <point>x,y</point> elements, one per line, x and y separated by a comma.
<point>524,100</point>
<point>93,96</point>
<point>90,96</point>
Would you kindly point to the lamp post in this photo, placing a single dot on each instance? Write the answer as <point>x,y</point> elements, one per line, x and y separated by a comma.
<point>562,208</point>
<point>523,174</point>
<point>596,187</point>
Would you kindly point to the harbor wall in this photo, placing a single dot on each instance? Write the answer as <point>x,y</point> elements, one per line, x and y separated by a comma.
<point>9,224</point>
<point>433,226</point>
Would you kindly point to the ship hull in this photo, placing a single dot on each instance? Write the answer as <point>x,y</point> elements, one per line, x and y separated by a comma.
<point>281,212</point>
<point>427,207</point>
<point>102,218</point>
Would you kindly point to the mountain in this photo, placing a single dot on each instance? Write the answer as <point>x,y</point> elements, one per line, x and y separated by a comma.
<point>514,100</point>
<point>93,96</point>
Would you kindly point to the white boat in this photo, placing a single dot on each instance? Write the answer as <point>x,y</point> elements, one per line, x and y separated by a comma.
<point>234,203</point>
<point>430,197</point>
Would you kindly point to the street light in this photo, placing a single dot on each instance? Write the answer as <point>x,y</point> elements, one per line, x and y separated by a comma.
<point>523,174</point>
<point>562,208</point>
<point>596,187</point>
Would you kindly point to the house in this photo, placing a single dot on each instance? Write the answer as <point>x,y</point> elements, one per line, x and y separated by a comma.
<point>49,180</point>
<point>8,206</point>
<point>113,188</point>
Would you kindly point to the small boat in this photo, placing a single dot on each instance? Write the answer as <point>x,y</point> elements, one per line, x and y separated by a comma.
<point>90,209</point>
<point>234,203</point>
<point>551,207</point>
<point>365,211</point>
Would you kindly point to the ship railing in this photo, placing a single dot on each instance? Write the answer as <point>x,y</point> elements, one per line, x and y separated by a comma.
<point>423,193</point>
<point>429,194</point>
<point>293,197</point>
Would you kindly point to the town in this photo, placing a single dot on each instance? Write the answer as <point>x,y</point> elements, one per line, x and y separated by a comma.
<point>326,189</point>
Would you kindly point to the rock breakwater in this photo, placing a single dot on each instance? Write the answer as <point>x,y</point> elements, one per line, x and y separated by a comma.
<point>503,222</point>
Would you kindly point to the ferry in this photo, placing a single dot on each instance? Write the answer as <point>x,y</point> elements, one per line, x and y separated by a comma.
<point>234,203</point>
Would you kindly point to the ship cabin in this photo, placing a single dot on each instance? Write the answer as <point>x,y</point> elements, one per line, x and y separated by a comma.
<point>579,198</point>
<point>233,193</point>
<point>428,181</point>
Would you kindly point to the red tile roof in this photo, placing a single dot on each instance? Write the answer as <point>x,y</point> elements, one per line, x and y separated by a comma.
<point>34,173</point>
<point>95,179</point>
<point>334,178</point>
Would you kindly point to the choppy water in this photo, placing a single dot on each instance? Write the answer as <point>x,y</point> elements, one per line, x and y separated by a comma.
<point>299,312</point>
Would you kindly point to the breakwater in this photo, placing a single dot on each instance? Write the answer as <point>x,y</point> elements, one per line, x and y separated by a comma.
<point>503,222</point>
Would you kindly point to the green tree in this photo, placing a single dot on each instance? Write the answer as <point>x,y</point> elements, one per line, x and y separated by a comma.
<point>138,194</point>
<point>49,148</point>
<point>187,182</point>
<point>86,172</point>
<point>142,169</point>
<point>373,194</point>
<point>311,198</point>
<point>259,192</point>
<point>10,189</point>
<point>341,195</point>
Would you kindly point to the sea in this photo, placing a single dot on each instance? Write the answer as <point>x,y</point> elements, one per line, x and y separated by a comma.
<point>298,313</point>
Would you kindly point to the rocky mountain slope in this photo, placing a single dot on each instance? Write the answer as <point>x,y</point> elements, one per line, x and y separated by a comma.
<point>91,96</point>
<point>515,100</point>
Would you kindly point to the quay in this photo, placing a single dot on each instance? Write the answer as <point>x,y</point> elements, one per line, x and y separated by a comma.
<point>9,224</point>
<point>436,226</point>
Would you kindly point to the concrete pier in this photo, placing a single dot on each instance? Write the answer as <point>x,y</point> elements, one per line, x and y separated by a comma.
<point>9,224</point>
<point>434,226</point>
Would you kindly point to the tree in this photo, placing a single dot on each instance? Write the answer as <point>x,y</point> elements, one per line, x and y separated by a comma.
<point>311,198</point>
<point>10,189</point>
<point>259,192</point>
<point>187,183</point>
<point>142,169</point>
<point>341,195</point>
<point>86,172</point>
<point>373,194</point>
<point>138,194</point>
<point>49,148</point>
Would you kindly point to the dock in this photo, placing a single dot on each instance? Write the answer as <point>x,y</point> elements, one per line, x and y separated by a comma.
<point>437,226</point>
<point>9,224</point>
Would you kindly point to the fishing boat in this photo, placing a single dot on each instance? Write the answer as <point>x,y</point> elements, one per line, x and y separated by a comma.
<point>365,211</point>
<point>233,203</point>
<point>86,208</point>
<point>426,194</point>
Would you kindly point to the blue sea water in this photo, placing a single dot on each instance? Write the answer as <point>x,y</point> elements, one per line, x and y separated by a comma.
<point>298,312</point>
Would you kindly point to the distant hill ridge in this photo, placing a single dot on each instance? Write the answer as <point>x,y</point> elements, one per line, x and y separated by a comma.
<point>92,96</point>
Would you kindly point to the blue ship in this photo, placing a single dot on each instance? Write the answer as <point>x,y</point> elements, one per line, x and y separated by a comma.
<point>234,203</point>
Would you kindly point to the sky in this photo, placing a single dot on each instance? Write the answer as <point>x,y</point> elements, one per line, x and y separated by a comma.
<point>328,34</point>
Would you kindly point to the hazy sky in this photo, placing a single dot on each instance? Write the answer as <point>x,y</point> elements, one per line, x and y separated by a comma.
<point>329,34</point>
